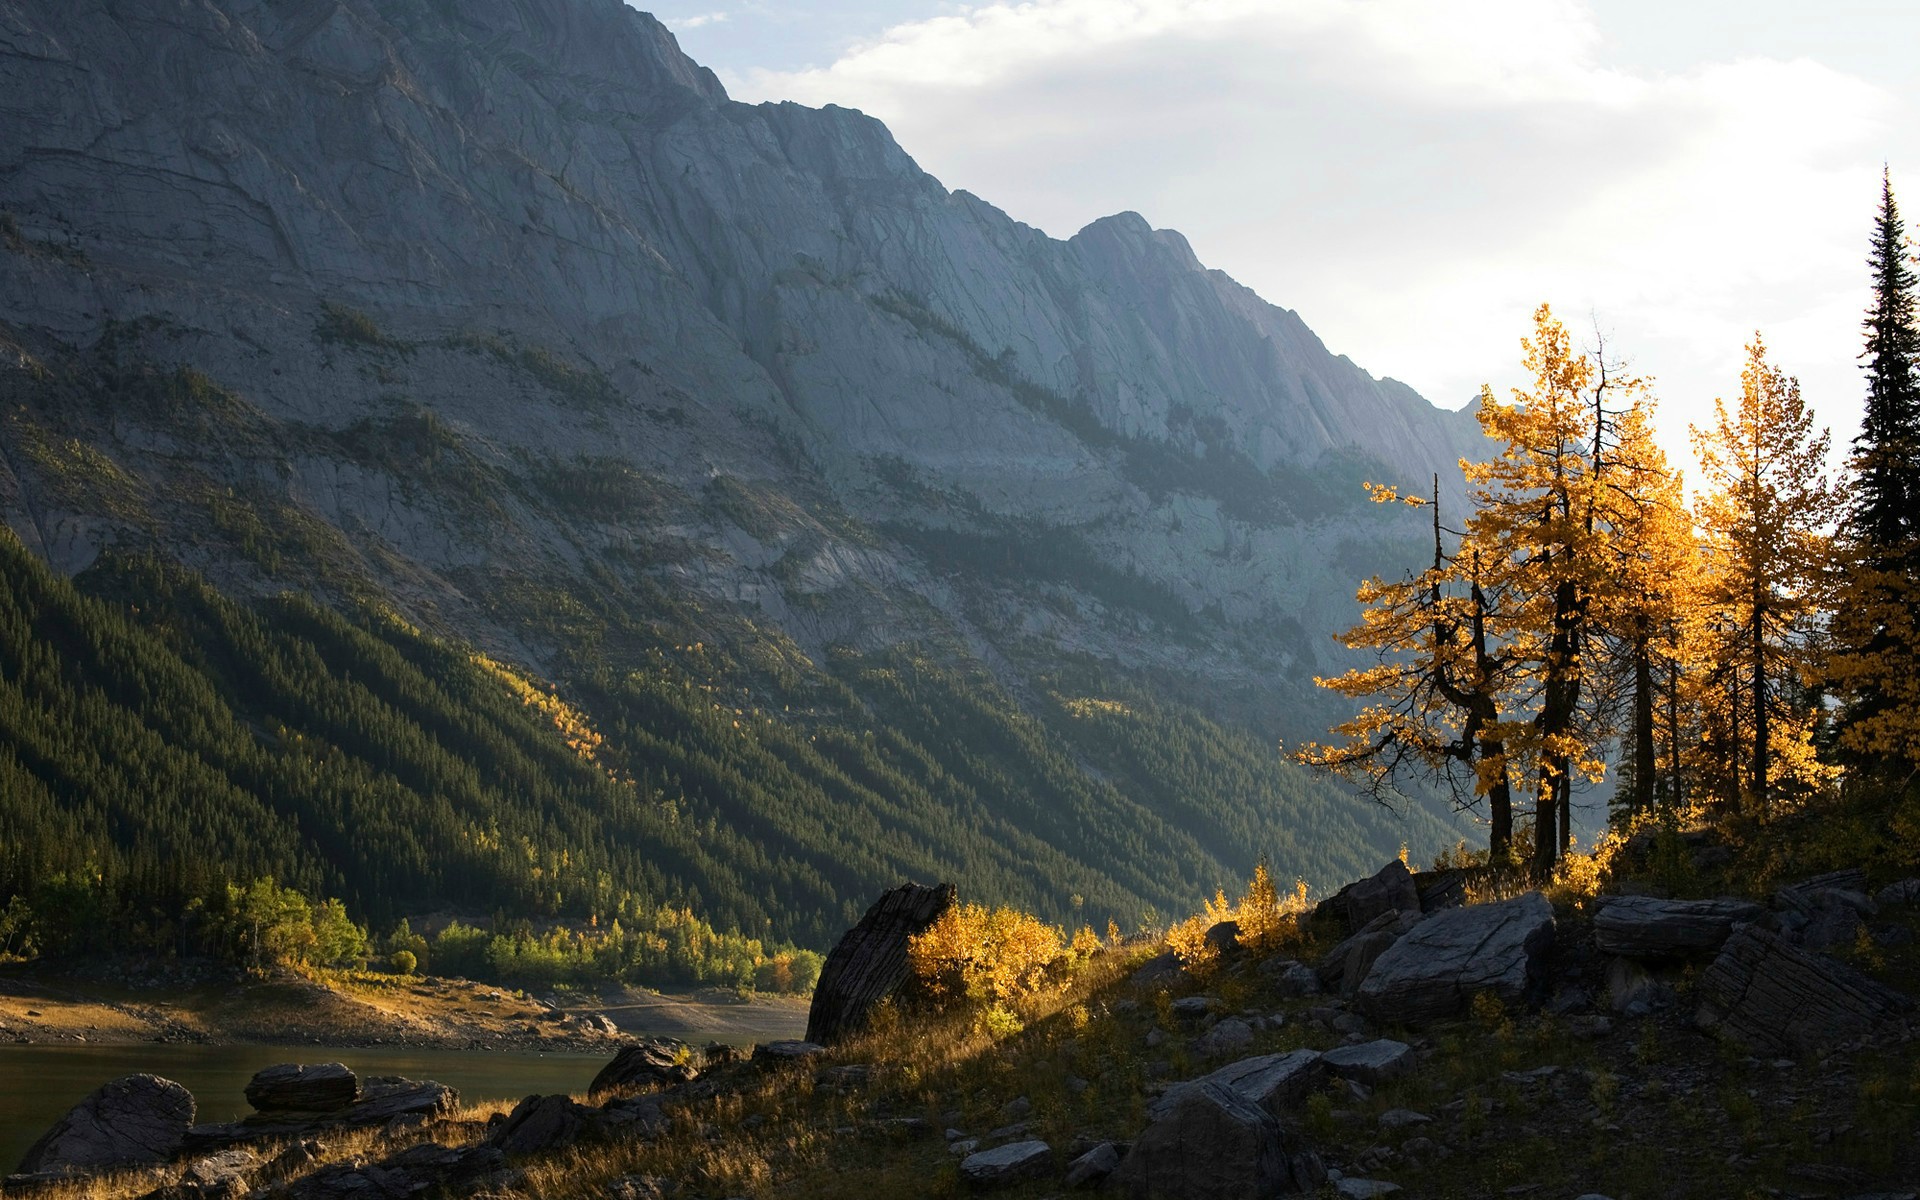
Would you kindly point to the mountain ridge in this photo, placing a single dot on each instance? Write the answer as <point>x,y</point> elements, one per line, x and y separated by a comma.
<point>502,316</point>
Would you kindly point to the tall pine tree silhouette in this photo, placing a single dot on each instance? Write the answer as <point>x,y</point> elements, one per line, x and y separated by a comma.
<point>1877,622</point>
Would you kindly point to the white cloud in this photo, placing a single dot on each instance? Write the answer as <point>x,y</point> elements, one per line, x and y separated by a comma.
<point>694,22</point>
<point>1415,177</point>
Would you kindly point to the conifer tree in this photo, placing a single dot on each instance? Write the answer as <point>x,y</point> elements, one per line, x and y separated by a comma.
<point>1436,687</point>
<point>1540,530</point>
<point>1764,520</point>
<point>1876,665</point>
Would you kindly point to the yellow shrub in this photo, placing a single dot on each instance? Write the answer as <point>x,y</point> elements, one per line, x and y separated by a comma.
<point>985,955</point>
<point>1188,941</point>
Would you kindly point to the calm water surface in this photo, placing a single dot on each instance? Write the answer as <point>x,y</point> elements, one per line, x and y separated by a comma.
<point>38,1084</point>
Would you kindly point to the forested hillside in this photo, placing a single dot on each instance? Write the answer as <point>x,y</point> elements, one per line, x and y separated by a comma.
<point>161,740</point>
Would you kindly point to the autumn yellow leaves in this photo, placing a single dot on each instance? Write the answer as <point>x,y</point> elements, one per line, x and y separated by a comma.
<point>1581,609</point>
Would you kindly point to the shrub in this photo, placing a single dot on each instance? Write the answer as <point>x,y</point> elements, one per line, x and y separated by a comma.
<point>985,955</point>
<point>403,962</point>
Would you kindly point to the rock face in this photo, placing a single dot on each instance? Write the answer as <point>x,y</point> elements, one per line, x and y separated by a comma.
<point>1777,997</point>
<point>1435,970</point>
<point>1347,964</point>
<point>869,963</point>
<point>653,1061</point>
<point>1390,889</point>
<point>1215,1145</point>
<point>1276,1083</point>
<point>133,1120</point>
<point>1645,927</point>
<point>289,1087</point>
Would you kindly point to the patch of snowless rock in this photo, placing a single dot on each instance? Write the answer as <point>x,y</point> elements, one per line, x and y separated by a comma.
<point>1437,967</point>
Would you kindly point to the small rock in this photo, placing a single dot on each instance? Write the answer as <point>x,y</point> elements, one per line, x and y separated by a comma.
<point>1401,1118</point>
<point>1192,1008</point>
<point>1006,1164</point>
<point>1364,1189</point>
<point>772,1053</point>
<point>1370,1062</point>
<point>1907,891</point>
<point>1092,1168</point>
<point>1016,1109</point>
<point>1230,1036</point>
<point>963,1146</point>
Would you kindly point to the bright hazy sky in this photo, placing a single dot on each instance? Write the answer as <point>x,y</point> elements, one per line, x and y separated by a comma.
<point>1414,176</point>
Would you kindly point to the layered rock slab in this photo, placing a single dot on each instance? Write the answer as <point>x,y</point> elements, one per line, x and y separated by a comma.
<point>1771,995</point>
<point>1435,969</point>
<point>1647,927</point>
<point>133,1120</point>
<point>869,962</point>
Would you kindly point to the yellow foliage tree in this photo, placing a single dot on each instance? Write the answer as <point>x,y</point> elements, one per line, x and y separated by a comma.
<point>1765,518</point>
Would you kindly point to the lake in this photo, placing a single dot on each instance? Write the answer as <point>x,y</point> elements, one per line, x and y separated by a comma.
<point>38,1084</point>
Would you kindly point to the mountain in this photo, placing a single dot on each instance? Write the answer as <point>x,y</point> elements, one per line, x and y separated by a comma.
<point>869,530</point>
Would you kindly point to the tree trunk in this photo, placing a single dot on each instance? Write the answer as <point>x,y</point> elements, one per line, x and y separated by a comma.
<point>1762,751</point>
<point>1645,758</point>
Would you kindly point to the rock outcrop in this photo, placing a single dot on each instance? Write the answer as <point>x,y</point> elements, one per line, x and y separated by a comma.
<point>1646,927</point>
<point>1390,889</point>
<point>133,1120</point>
<point>1437,968</point>
<point>869,962</point>
<point>1774,996</point>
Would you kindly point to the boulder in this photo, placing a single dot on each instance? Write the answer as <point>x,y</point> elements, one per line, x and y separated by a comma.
<point>653,1061</point>
<point>869,963</point>
<point>540,1123</point>
<point>1644,927</point>
<point>426,1168</point>
<point>1364,1189</point>
<point>1344,966</point>
<point>1435,969</point>
<point>291,1087</point>
<point>384,1097</point>
<point>1390,889</point>
<point>1212,1144</point>
<point>1224,937</point>
<point>1773,996</point>
<point>1276,1083</point>
<point>1369,1062</point>
<point>1231,1036</point>
<point>1446,888</point>
<point>1092,1168</point>
<point>134,1120</point>
<point>1834,922</point>
<point>1006,1164</point>
<point>1906,891</point>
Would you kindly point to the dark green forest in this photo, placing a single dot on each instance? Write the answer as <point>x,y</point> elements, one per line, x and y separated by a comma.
<point>159,741</point>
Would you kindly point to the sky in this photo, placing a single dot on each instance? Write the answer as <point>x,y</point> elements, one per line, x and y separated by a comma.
<point>1414,177</point>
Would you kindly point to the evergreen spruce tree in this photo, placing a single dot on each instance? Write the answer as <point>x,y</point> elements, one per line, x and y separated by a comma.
<point>1876,666</point>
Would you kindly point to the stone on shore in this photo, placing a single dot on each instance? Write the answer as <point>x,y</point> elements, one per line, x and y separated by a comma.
<point>869,962</point>
<point>292,1087</point>
<point>134,1120</point>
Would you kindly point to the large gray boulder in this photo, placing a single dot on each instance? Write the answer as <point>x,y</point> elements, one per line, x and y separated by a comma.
<point>291,1087</point>
<point>869,963</point>
<point>1646,927</point>
<point>542,1123</point>
<point>1215,1145</point>
<point>1773,996</point>
<point>1277,1083</point>
<point>1437,968</point>
<point>134,1120</point>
